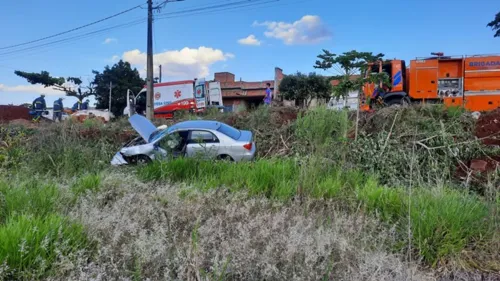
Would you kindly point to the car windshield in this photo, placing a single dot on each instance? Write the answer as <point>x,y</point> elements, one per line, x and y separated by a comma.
<point>156,134</point>
<point>229,131</point>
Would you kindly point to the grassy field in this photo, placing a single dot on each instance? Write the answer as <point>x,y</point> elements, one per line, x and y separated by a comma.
<point>315,205</point>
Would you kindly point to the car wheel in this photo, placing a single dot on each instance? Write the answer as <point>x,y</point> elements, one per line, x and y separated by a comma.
<point>225,158</point>
<point>139,160</point>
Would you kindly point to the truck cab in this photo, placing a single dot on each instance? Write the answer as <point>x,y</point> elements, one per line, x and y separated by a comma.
<point>396,92</point>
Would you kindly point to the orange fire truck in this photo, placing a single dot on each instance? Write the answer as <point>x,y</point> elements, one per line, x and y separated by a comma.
<point>472,82</point>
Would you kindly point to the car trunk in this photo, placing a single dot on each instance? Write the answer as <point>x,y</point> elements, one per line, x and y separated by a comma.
<point>246,137</point>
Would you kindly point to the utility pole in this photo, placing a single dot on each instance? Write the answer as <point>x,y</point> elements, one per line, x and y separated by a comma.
<point>110,91</point>
<point>160,73</point>
<point>149,94</point>
<point>150,80</point>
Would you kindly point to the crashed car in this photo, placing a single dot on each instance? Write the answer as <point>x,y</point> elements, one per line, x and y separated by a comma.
<point>196,138</point>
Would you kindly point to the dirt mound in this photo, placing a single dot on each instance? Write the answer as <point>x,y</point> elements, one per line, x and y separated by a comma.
<point>488,128</point>
<point>21,122</point>
<point>476,171</point>
<point>284,115</point>
<point>11,112</point>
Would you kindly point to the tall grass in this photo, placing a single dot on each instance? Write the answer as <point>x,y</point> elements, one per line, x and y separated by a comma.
<point>33,236</point>
<point>29,198</point>
<point>86,183</point>
<point>29,245</point>
<point>443,222</point>
<point>69,149</point>
<point>322,128</point>
<point>280,179</point>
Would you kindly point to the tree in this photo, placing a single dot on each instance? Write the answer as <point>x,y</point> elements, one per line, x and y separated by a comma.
<point>350,68</point>
<point>304,88</point>
<point>495,25</point>
<point>349,64</point>
<point>122,77</point>
<point>72,86</point>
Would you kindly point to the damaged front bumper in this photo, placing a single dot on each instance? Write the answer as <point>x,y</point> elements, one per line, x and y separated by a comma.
<point>118,160</point>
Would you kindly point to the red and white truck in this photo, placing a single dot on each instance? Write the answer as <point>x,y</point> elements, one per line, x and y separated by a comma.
<point>187,95</point>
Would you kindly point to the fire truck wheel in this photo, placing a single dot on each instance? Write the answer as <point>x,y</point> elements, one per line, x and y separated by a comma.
<point>397,102</point>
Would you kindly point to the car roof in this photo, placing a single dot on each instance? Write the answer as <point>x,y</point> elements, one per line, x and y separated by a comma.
<point>196,124</point>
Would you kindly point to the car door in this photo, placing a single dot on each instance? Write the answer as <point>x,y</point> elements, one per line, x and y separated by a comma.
<point>203,144</point>
<point>173,144</point>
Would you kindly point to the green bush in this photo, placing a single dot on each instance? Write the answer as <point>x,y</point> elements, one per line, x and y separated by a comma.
<point>29,246</point>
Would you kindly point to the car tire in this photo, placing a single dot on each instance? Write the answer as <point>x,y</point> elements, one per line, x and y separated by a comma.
<point>225,157</point>
<point>139,160</point>
<point>143,160</point>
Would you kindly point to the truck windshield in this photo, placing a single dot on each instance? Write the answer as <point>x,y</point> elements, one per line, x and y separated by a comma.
<point>229,131</point>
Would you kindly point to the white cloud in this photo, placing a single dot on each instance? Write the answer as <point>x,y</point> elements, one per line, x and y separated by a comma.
<point>250,40</point>
<point>114,59</point>
<point>308,30</point>
<point>186,63</point>
<point>110,40</point>
<point>30,89</point>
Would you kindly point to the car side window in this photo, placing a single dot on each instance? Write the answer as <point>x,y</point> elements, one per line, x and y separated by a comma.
<point>202,137</point>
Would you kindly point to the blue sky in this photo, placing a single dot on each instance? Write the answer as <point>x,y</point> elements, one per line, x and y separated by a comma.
<point>288,34</point>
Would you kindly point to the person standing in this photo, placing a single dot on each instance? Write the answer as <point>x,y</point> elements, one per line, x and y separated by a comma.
<point>269,95</point>
<point>58,108</point>
<point>39,106</point>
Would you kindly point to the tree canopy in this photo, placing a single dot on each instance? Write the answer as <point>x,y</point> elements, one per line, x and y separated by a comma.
<point>302,87</point>
<point>122,77</point>
<point>72,86</point>
<point>495,25</point>
<point>350,68</point>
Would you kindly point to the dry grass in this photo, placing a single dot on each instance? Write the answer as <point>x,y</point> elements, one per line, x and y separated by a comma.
<point>150,233</point>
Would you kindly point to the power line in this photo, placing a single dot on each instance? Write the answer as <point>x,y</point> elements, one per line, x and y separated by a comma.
<point>247,7</point>
<point>77,37</point>
<point>73,29</point>
<point>243,2</point>
<point>216,11</point>
<point>189,12</point>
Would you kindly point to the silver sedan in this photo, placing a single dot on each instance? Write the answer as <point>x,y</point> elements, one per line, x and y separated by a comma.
<point>197,138</point>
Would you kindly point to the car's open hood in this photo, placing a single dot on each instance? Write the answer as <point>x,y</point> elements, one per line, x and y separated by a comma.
<point>142,125</point>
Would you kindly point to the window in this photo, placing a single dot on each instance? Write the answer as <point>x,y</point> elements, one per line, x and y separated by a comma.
<point>174,141</point>
<point>229,131</point>
<point>202,137</point>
